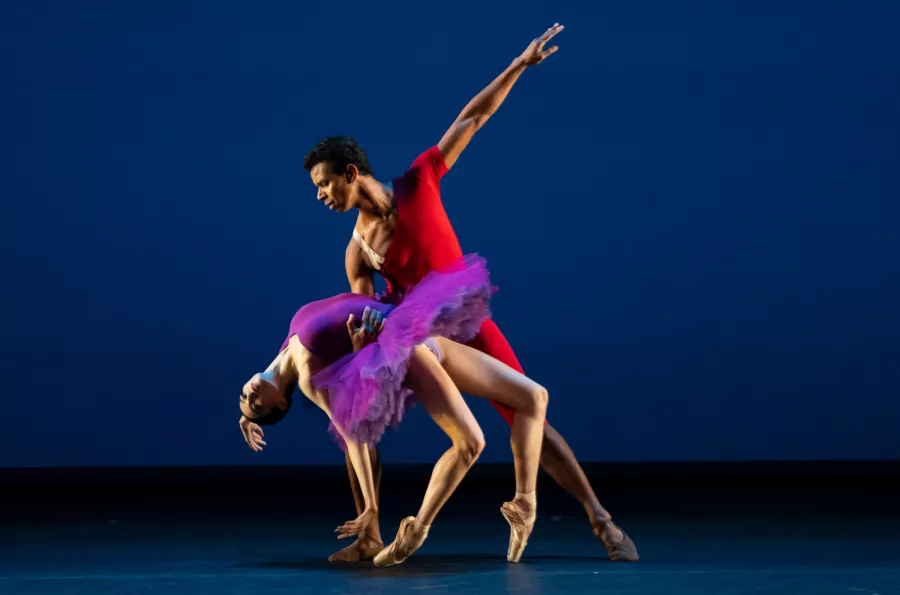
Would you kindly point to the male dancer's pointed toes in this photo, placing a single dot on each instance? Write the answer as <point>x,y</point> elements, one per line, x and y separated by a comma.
<point>410,537</point>
<point>619,548</point>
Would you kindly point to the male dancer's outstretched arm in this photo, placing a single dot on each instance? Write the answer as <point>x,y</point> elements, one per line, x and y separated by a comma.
<point>483,105</point>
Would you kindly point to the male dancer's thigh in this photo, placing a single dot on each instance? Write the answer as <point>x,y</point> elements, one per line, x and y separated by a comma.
<point>491,341</point>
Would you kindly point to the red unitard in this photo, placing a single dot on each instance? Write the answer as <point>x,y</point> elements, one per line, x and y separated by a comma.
<point>424,241</point>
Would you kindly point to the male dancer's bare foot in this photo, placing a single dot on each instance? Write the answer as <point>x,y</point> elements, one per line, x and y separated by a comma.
<point>619,547</point>
<point>364,548</point>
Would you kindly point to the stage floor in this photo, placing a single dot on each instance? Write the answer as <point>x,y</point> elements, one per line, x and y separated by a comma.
<point>257,538</point>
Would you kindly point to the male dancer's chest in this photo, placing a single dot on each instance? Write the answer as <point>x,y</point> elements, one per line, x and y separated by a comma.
<point>406,245</point>
<point>372,239</point>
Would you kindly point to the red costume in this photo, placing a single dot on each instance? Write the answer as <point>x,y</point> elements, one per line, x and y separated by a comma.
<point>424,241</point>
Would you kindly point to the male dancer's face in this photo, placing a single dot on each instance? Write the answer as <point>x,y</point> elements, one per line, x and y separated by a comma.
<point>338,191</point>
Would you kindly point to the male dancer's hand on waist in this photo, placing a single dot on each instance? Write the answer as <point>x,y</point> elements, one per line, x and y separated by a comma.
<point>367,332</point>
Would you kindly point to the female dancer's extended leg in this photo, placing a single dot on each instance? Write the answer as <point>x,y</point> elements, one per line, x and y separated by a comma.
<point>438,386</point>
<point>480,375</point>
<point>443,402</point>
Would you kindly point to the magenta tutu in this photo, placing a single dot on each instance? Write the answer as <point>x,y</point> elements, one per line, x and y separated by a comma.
<point>366,388</point>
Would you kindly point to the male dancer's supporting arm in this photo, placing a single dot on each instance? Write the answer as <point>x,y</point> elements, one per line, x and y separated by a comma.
<point>483,105</point>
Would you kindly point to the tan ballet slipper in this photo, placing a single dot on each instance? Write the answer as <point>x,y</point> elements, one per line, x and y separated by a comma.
<point>410,537</point>
<point>358,551</point>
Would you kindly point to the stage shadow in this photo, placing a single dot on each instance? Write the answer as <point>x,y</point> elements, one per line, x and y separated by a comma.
<point>421,565</point>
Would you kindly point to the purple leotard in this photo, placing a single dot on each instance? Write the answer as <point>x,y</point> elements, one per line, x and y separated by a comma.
<point>321,326</point>
<point>366,388</point>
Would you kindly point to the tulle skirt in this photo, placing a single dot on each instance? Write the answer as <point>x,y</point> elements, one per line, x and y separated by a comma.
<point>366,389</point>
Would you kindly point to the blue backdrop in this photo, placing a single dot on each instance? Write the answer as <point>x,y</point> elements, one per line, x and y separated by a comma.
<point>691,211</point>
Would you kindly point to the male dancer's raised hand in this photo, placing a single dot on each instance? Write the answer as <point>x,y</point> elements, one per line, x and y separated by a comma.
<point>479,110</point>
<point>535,52</point>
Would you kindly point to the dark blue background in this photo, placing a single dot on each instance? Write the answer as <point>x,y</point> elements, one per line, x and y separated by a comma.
<point>691,211</point>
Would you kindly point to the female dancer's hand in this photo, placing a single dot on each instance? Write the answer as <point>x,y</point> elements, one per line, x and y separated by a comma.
<point>253,434</point>
<point>370,327</point>
<point>359,525</point>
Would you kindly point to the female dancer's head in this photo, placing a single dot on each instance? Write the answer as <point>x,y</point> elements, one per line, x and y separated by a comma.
<point>266,398</point>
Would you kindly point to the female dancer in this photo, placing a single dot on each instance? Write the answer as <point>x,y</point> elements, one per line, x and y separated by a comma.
<point>366,388</point>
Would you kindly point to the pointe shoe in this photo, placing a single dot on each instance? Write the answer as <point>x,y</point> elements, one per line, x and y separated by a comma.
<point>519,529</point>
<point>410,537</point>
<point>356,552</point>
<point>622,550</point>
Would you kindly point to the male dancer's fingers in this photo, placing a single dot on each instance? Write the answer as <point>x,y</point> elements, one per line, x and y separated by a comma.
<point>549,33</point>
<point>350,328</point>
<point>548,52</point>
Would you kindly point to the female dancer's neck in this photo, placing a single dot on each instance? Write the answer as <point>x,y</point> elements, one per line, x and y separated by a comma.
<point>283,370</point>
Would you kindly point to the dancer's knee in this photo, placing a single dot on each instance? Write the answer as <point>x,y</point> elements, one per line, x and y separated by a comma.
<point>470,447</point>
<point>539,398</point>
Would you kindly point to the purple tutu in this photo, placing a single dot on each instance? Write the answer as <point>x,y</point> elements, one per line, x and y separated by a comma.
<point>366,388</point>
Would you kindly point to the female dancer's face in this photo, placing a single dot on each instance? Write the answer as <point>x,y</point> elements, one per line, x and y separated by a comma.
<point>259,396</point>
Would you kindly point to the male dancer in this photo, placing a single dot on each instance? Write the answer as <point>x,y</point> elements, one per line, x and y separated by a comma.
<point>403,232</point>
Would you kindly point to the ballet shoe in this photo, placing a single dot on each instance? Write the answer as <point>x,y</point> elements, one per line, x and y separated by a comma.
<point>410,537</point>
<point>619,550</point>
<point>520,528</point>
<point>356,552</point>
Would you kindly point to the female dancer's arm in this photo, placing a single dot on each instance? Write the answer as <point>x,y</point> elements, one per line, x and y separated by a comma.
<point>358,453</point>
<point>371,325</point>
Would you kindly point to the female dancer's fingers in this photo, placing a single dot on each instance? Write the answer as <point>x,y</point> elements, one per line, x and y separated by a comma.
<point>347,530</point>
<point>350,328</point>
